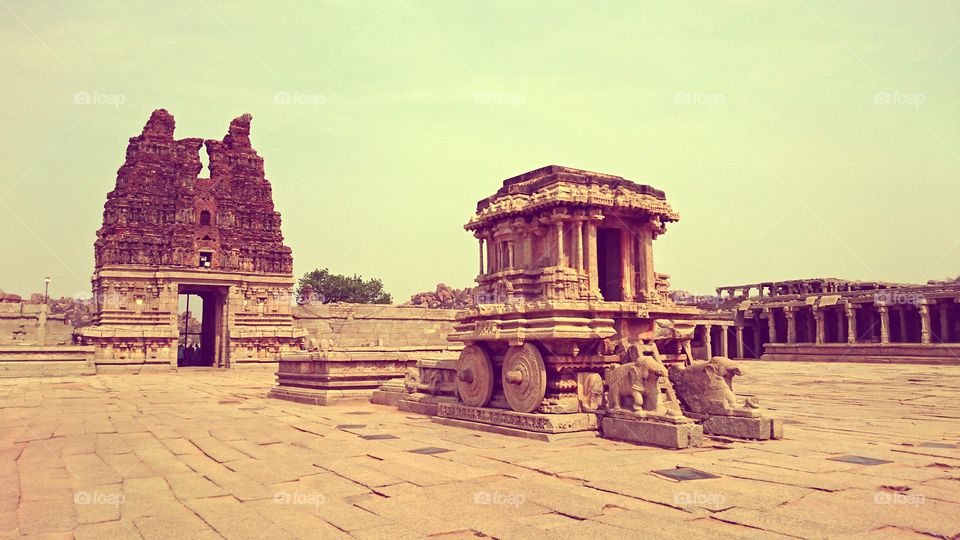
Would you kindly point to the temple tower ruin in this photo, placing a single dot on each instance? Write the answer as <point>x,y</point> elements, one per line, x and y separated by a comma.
<point>168,234</point>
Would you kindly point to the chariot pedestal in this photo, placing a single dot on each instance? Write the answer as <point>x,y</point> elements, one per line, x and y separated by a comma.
<point>624,426</point>
<point>741,427</point>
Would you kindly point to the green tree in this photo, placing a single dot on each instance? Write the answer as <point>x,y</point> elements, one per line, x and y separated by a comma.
<point>329,288</point>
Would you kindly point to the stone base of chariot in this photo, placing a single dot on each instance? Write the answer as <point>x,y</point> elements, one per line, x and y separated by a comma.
<point>542,427</point>
<point>760,428</point>
<point>424,403</point>
<point>666,433</point>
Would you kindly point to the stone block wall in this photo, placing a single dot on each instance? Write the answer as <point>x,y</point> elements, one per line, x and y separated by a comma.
<point>20,325</point>
<point>375,325</point>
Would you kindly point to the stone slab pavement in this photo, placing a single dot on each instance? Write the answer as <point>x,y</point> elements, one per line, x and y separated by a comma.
<point>204,454</point>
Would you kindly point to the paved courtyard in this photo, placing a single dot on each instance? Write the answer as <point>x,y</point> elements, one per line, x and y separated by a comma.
<point>203,454</point>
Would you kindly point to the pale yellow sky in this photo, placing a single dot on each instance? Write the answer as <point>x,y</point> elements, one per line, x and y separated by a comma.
<point>796,139</point>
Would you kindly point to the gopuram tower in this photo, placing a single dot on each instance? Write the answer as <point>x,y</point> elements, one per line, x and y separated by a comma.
<point>190,270</point>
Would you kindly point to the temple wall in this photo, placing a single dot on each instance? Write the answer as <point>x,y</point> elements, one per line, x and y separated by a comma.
<point>365,325</point>
<point>34,343</point>
<point>20,324</point>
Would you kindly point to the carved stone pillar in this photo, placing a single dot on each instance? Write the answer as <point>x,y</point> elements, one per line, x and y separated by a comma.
<point>739,331</point>
<point>724,342</point>
<point>924,324</point>
<point>756,339</point>
<point>579,233</point>
<point>561,254</point>
<point>884,323</point>
<point>944,323</point>
<point>627,277</point>
<point>526,247</point>
<point>851,312</point>
<point>791,316</point>
<point>708,340</point>
<point>490,254</point>
<point>510,261</point>
<point>772,325</point>
<point>481,256</point>
<point>592,260</point>
<point>646,282</point>
<point>820,327</point>
<point>840,324</point>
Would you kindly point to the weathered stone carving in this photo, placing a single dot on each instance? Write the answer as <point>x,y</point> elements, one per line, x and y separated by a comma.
<point>673,337</point>
<point>411,379</point>
<point>636,383</point>
<point>590,391</point>
<point>707,388</point>
<point>161,213</point>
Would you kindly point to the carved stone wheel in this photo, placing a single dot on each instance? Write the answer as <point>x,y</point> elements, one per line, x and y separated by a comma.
<point>524,378</point>
<point>475,376</point>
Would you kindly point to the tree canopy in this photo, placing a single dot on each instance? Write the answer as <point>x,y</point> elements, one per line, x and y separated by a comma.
<point>328,288</point>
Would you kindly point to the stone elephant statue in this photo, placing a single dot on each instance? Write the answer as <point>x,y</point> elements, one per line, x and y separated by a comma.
<point>636,381</point>
<point>707,387</point>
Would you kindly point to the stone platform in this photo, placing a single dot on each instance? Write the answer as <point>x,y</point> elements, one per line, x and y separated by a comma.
<point>46,361</point>
<point>867,353</point>
<point>204,453</point>
<point>351,374</point>
<point>629,428</point>
<point>757,428</point>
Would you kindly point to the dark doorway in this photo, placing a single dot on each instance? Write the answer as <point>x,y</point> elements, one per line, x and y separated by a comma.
<point>200,321</point>
<point>610,264</point>
<point>190,350</point>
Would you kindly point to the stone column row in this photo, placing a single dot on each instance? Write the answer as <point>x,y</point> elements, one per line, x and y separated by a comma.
<point>724,341</point>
